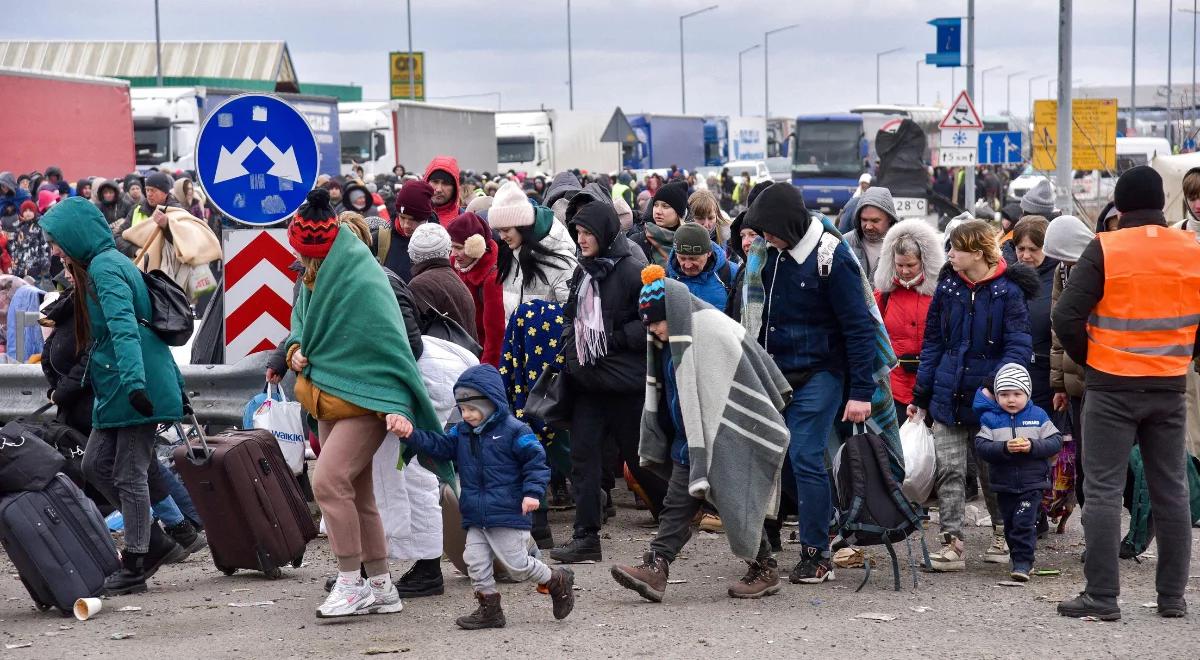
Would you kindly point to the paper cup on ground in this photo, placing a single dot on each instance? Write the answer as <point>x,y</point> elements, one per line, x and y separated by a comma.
<point>86,608</point>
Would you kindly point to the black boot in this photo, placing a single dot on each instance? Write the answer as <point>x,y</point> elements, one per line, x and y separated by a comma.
<point>487,615</point>
<point>578,550</point>
<point>130,578</point>
<point>163,550</point>
<point>610,510</point>
<point>187,536</point>
<point>541,530</point>
<point>423,579</point>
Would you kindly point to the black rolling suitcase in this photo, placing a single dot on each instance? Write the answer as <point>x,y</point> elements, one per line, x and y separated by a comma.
<point>59,543</point>
<point>254,513</point>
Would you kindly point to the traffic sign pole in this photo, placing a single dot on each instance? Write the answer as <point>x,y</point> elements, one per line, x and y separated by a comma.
<point>969,179</point>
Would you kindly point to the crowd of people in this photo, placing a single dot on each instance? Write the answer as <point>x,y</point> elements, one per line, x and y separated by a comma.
<point>711,362</point>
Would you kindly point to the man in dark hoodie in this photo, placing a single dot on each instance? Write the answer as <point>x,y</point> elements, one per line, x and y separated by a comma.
<point>442,174</point>
<point>1129,314</point>
<point>817,326</point>
<point>107,197</point>
<point>873,217</point>
<point>605,363</point>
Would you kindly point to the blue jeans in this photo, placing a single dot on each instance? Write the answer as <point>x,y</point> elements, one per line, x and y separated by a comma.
<point>810,418</point>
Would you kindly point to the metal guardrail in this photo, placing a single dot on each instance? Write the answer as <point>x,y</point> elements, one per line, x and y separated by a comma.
<point>218,392</point>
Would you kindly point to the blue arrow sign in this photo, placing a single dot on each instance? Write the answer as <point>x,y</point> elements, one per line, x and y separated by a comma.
<point>256,158</point>
<point>1000,148</point>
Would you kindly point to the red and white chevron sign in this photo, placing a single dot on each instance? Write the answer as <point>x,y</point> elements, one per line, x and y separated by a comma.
<point>258,290</point>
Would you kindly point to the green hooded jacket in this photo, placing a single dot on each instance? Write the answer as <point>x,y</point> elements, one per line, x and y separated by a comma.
<point>126,356</point>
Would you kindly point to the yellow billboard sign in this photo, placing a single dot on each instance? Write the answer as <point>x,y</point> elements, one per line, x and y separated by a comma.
<point>398,73</point>
<point>1093,134</point>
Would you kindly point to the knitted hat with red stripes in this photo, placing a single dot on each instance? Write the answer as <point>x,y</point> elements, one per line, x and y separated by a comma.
<point>314,227</point>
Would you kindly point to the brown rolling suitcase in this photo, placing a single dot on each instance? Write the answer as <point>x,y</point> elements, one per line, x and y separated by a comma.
<point>253,511</point>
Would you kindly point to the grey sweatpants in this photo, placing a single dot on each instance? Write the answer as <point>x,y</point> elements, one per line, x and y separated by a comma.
<point>1157,421</point>
<point>511,547</point>
<point>951,445</point>
<point>129,453</point>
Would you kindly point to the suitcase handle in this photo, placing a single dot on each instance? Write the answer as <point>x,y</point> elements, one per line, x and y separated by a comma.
<point>197,456</point>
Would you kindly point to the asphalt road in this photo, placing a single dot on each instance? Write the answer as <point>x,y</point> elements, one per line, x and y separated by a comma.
<point>188,614</point>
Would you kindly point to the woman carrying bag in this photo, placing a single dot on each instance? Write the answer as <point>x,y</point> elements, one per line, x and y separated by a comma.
<point>350,385</point>
<point>137,385</point>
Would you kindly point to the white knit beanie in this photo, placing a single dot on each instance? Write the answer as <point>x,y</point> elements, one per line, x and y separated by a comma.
<point>1066,237</point>
<point>429,241</point>
<point>510,208</point>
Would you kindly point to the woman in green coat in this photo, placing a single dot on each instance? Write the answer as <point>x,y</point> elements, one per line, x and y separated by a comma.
<point>354,368</point>
<point>133,374</point>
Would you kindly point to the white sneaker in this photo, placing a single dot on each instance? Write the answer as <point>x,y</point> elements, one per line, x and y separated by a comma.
<point>952,557</point>
<point>998,553</point>
<point>346,599</point>
<point>387,599</point>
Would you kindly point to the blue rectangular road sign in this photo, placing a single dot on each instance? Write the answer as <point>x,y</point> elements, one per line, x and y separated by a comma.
<point>1000,148</point>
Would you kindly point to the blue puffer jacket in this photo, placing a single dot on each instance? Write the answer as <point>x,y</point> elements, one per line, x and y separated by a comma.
<point>499,463</point>
<point>711,284</point>
<point>970,332</point>
<point>1015,473</point>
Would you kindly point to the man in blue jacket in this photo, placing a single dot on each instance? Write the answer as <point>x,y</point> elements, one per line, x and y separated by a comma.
<point>803,299</point>
<point>707,272</point>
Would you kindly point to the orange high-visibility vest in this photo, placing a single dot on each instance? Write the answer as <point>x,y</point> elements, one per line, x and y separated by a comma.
<point>1145,325</point>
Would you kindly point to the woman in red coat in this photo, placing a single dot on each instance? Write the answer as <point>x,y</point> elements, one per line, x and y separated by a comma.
<point>474,255</point>
<point>904,284</point>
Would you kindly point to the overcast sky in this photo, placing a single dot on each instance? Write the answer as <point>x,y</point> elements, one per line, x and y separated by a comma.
<point>626,52</point>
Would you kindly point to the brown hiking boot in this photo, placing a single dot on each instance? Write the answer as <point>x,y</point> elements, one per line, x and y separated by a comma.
<point>761,579</point>
<point>487,615</point>
<point>649,579</point>
<point>561,589</point>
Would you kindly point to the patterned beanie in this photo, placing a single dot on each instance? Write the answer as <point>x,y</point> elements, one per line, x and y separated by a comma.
<point>472,232</point>
<point>652,301</point>
<point>429,241</point>
<point>1013,376</point>
<point>314,227</point>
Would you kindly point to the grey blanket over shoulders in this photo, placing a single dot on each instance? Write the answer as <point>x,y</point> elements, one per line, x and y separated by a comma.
<point>730,394</point>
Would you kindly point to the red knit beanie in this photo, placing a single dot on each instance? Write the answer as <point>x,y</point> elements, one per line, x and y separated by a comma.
<point>314,227</point>
<point>472,232</point>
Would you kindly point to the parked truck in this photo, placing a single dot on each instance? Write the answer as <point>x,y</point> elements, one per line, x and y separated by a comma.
<point>734,138</point>
<point>552,140</point>
<point>81,124</point>
<point>665,140</point>
<point>167,120</point>
<point>378,135</point>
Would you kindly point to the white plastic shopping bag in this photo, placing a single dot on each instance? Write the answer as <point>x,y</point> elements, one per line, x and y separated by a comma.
<point>920,460</point>
<point>285,420</point>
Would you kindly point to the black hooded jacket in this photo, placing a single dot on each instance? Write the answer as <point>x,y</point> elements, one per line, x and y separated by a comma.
<point>116,210</point>
<point>65,367</point>
<point>618,270</point>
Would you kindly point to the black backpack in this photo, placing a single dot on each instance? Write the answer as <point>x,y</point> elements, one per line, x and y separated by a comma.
<point>871,508</point>
<point>171,315</point>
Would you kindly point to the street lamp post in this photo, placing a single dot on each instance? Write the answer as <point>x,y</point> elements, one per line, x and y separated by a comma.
<point>682,80</point>
<point>1170,52</point>
<point>1132,130</point>
<point>157,48</point>
<point>767,67</point>
<point>919,63</point>
<point>412,88</point>
<point>1191,95</point>
<point>879,55</point>
<point>570,64</point>
<point>983,87</point>
<point>741,109</point>
<point>1008,92</point>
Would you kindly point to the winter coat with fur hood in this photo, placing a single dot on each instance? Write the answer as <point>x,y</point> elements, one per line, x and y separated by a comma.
<point>905,305</point>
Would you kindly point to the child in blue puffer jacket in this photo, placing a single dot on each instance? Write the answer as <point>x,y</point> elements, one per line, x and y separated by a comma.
<point>502,469</point>
<point>1017,439</point>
